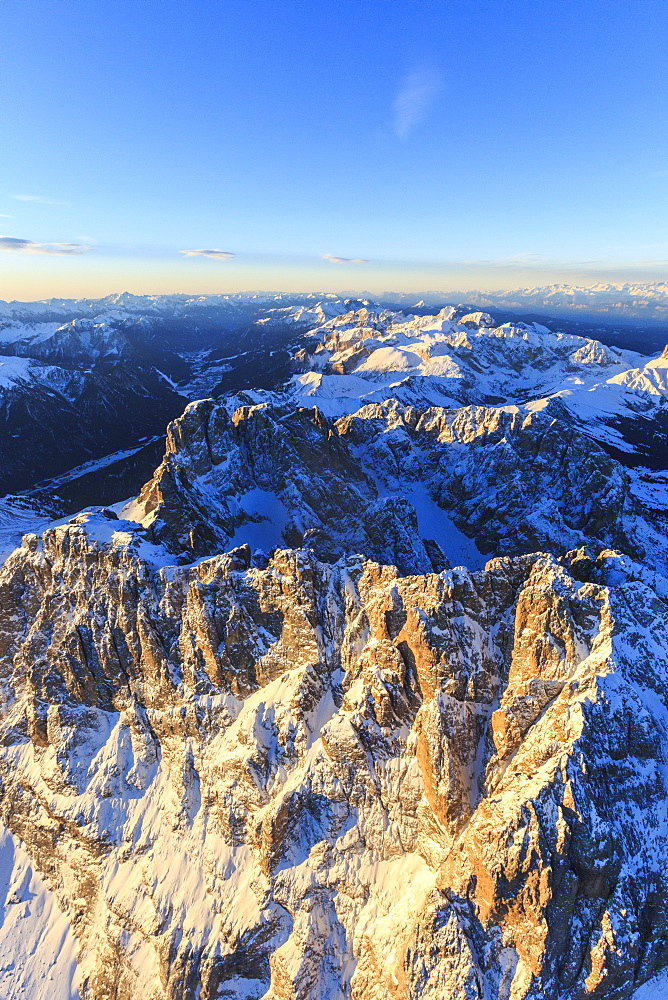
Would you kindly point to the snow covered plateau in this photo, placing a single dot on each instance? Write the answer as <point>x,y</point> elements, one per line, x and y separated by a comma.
<point>354,686</point>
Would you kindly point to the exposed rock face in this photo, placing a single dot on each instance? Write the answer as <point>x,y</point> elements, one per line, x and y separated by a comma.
<point>329,780</point>
<point>516,482</point>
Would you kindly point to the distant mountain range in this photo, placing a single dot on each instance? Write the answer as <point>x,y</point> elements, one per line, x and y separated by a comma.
<point>624,302</point>
<point>621,301</point>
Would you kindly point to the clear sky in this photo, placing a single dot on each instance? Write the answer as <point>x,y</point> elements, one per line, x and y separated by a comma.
<point>435,144</point>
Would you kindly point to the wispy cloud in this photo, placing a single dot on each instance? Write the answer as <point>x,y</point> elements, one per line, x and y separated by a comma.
<point>213,254</point>
<point>38,199</point>
<point>528,261</point>
<point>524,258</point>
<point>343,260</point>
<point>6,216</point>
<point>11,244</point>
<point>417,93</point>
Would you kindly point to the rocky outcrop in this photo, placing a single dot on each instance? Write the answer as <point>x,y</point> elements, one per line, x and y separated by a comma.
<point>512,481</point>
<point>330,780</point>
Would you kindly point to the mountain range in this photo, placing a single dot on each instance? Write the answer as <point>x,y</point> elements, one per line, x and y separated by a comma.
<point>621,302</point>
<point>353,685</point>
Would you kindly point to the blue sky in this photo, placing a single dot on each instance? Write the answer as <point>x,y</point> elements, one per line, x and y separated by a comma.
<point>455,144</point>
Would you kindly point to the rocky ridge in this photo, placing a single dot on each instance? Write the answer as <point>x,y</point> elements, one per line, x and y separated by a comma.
<point>320,779</point>
<point>515,482</point>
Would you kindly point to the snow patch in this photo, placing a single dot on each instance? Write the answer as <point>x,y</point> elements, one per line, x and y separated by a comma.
<point>266,516</point>
<point>37,944</point>
<point>655,989</point>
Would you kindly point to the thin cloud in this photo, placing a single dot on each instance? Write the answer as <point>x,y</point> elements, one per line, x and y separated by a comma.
<point>38,199</point>
<point>515,260</point>
<point>411,105</point>
<point>519,260</point>
<point>213,254</point>
<point>6,216</point>
<point>343,260</point>
<point>11,244</point>
<point>524,258</point>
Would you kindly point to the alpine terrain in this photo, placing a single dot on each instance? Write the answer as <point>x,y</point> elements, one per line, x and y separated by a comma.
<point>354,686</point>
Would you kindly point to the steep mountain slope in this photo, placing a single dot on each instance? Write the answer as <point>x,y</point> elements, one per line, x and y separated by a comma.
<point>513,482</point>
<point>318,780</point>
<point>364,695</point>
<point>82,379</point>
<point>53,418</point>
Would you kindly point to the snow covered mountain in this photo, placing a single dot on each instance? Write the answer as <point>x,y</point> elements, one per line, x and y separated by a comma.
<point>364,694</point>
<point>82,379</point>
<point>622,302</point>
<point>616,396</point>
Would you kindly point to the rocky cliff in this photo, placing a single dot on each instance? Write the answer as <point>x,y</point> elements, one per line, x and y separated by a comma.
<point>330,780</point>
